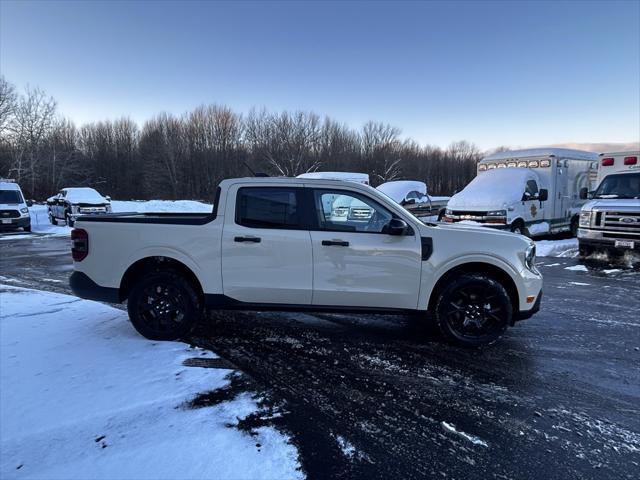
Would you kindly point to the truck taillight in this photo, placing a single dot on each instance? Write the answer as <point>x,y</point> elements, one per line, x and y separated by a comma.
<point>79,244</point>
<point>607,162</point>
<point>630,160</point>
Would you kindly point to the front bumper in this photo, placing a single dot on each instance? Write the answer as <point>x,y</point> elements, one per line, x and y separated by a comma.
<point>83,287</point>
<point>524,314</point>
<point>17,222</point>
<point>597,239</point>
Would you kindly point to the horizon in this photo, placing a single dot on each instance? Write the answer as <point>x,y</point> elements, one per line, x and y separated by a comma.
<point>377,64</point>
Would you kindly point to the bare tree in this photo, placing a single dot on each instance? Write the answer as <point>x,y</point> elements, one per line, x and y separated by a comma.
<point>8,101</point>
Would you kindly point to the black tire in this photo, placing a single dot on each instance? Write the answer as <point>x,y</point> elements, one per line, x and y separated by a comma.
<point>70,222</point>
<point>574,227</point>
<point>584,250</point>
<point>473,310</point>
<point>53,220</point>
<point>163,306</point>
<point>27,228</point>
<point>519,228</point>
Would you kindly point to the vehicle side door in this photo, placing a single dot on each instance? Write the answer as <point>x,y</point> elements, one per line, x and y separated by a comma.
<point>533,207</point>
<point>266,246</point>
<point>356,262</point>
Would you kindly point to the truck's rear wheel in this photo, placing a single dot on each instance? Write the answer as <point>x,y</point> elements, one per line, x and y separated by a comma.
<point>473,310</point>
<point>53,220</point>
<point>163,306</point>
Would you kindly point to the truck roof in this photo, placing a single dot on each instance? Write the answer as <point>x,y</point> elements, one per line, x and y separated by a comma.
<point>542,152</point>
<point>9,186</point>
<point>619,154</point>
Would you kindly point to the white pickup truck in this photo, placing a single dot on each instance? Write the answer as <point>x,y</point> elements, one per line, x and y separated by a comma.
<point>274,244</point>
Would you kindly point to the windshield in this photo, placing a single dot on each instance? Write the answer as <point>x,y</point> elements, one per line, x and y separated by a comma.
<point>626,185</point>
<point>10,196</point>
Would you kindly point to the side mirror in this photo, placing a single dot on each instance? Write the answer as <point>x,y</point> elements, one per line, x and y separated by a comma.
<point>29,203</point>
<point>108,198</point>
<point>526,196</point>
<point>408,201</point>
<point>543,195</point>
<point>584,193</point>
<point>397,227</point>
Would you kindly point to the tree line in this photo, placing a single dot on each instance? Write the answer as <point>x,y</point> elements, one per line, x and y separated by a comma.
<point>186,156</point>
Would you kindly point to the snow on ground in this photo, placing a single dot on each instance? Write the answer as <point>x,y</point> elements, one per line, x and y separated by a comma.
<point>557,248</point>
<point>539,228</point>
<point>82,395</point>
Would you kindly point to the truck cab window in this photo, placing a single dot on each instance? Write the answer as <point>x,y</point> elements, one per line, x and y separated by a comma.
<point>349,212</point>
<point>268,207</point>
<point>531,189</point>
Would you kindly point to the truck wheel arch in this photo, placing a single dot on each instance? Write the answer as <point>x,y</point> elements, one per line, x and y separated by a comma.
<point>155,264</point>
<point>482,268</point>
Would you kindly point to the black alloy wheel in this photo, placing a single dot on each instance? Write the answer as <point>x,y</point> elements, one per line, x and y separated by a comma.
<point>163,306</point>
<point>473,310</point>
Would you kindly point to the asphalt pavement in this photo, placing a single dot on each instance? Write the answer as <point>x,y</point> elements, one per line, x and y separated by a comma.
<point>365,396</point>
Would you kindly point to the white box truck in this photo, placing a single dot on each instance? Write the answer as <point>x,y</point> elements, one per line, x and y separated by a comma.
<point>532,192</point>
<point>611,220</point>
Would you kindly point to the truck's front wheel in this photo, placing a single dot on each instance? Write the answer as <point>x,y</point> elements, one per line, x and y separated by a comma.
<point>473,310</point>
<point>163,306</point>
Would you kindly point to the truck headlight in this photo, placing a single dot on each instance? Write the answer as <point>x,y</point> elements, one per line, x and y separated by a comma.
<point>585,218</point>
<point>24,210</point>
<point>530,257</point>
<point>497,213</point>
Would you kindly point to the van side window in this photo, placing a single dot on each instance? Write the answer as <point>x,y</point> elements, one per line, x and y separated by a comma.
<point>532,188</point>
<point>268,207</point>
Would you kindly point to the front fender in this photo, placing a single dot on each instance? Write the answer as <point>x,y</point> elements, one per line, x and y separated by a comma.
<point>431,275</point>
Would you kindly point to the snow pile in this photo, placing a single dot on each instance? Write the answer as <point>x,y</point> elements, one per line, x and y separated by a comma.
<point>539,228</point>
<point>84,195</point>
<point>399,189</point>
<point>82,395</point>
<point>557,248</point>
<point>40,222</point>
<point>153,206</point>
<point>493,189</point>
<point>470,438</point>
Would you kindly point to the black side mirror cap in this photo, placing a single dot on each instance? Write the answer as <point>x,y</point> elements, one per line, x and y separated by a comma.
<point>584,193</point>
<point>408,201</point>
<point>29,203</point>
<point>397,226</point>
<point>543,196</point>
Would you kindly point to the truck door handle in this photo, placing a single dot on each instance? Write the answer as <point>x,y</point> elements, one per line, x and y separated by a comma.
<point>247,239</point>
<point>338,243</point>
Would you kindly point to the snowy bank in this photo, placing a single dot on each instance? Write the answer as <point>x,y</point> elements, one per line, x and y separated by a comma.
<point>40,218</point>
<point>557,248</point>
<point>82,395</point>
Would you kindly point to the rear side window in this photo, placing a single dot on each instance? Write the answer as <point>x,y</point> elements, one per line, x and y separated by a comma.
<point>268,207</point>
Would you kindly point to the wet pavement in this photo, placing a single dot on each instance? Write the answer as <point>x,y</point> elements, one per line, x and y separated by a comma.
<point>384,397</point>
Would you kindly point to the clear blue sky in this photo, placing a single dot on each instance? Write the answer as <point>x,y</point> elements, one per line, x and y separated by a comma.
<point>495,73</point>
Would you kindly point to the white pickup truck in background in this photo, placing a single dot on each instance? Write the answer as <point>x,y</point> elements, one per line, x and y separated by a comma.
<point>274,243</point>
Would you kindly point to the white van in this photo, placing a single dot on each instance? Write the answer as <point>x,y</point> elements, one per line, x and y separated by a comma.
<point>532,192</point>
<point>611,220</point>
<point>13,207</point>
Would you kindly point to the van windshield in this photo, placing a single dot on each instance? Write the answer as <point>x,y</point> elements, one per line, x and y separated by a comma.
<point>10,196</point>
<point>624,185</point>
